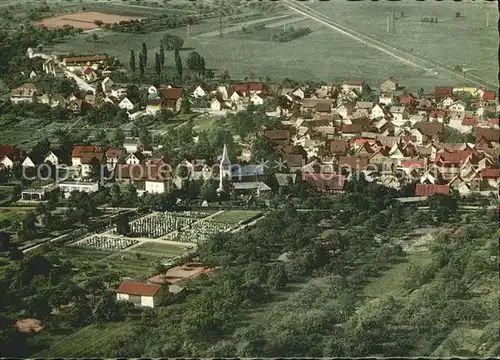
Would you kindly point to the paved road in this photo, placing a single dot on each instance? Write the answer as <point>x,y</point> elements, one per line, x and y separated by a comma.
<point>401,55</point>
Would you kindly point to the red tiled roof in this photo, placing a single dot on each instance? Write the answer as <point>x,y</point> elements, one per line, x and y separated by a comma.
<point>494,121</point>
<point>489,95</point>
<point>429,128</point>
<point>293,160</point>
<point>490,173</point>
<point>352,128</point>
<point>442,91</point>
<point>277,134</point>
<point>326,181</point>
<point>113,153</point>
<point>488,133</point>
<point>89,70</point>
<point>85,59</point>
<point>407,99</point>
<point>437,114</point>
<point>137,288</point>
<point>255,87</point>
<point>79,150</point>
<point>431,190</point>
<point>455,157</point>
<point>361,141</point>
<point>92,158</point>
<point>338,146</point>
<point>172,93</point>
<point>9,151</point>
<point>469,121</point>
<point>354,162</point>
<point>354,82</point>
<point>417,164</point>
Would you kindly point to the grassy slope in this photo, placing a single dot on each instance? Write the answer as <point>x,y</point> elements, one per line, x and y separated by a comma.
<point>234,216</point>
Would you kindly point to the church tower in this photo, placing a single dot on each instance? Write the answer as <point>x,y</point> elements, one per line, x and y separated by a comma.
<point>224,169</point>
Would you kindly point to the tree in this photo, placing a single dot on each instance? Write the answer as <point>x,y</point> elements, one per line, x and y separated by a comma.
<point>178,63</point>
<point>162,54</point>
<point>131,61</point>
<point>157,64</point>
<point>195,62</point>
<point>278,276</point>
<point>173,42</point>
<point>262,150</point>
<point>119,137</point>
<point>106,309</point>
<point>4,241</point>
<point>141,64</point>
<point>98,22</point>
<point>122,225</point>
<point>208,190</point>
<point>225,76</point>
<point>145,54</point>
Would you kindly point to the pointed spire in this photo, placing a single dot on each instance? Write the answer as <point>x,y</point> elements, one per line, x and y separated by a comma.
<point>225,157</point>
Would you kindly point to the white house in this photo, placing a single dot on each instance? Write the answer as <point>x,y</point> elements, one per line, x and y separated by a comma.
<point>28,162</point>
<point>131,144</point>
<point>118,93</point>
<point>298,92</point>
<point>236,97</point>
<point>6,162</point>
<point>222,91</point>
<point>356,85</point>
<point>126,104</point>
<point>458,106</point>
<point>377,112</point>
<point>215,105</point>
<point>107,85</point>
<point>157,186</point>
<point>398,113</point>
<point>67,187</point>
<point>385,98</point>
<point>200,91</point>
<point>33,74</point>
<point>140,294</point>
<point>447,102</point>
<point>135,158</point>
<point>52,158</point>
<point>23,93</point>
<point>257,99</point>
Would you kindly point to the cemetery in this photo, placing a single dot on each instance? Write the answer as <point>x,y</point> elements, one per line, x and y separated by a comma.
<point>157,225</point>
<point>103,242</point>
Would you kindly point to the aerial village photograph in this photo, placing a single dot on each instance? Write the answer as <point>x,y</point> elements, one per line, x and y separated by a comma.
<point>245,178</point>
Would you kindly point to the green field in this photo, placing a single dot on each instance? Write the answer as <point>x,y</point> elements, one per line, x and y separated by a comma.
<point>234,216</point>
<point>154,248</point>
<point>88,341</point>
<point>12,215</point>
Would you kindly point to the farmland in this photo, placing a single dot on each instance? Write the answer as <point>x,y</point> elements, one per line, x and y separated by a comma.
<point>336,56</point>
<point>83,20</point>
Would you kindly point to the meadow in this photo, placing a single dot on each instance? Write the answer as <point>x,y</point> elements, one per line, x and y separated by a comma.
<point>326,55</point>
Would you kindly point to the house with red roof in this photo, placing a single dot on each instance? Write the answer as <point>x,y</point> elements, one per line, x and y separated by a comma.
<point>487,137</point>
<point>441,92</point>
<point>90,73</point>
<point>9,155</point>
<point>437,115</point>
<point>431,189</point>
<point>408,100</point>
<point>141,294</point>
<point>249,88</point>
<point>326,182</point>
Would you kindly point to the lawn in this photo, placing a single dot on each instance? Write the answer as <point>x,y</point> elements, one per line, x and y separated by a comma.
<point>390,282</point>
<point>129,264</point>
<point>205,123</point>
<point>86,342</point>
<point>235,216</point>
<point>157,249</point>
<point>12,215</point>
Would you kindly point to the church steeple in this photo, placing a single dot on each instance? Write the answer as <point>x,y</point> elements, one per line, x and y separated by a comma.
<point>224,169</point>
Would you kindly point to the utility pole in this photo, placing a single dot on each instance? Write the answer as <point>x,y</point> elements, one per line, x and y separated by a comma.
<point>393,20</point>
<point>220,18</point>
<point>188,30</point>
<point>387,23</point>
<point>487,19</point>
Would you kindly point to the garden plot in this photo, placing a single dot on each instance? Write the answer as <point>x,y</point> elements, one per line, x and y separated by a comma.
<point>158,225</point>
<point>106,243</point>
<point>195,214</point>
<point>199,232</point>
